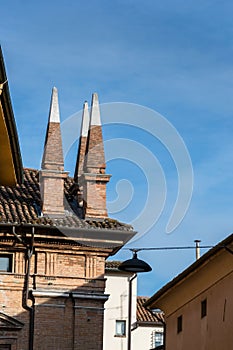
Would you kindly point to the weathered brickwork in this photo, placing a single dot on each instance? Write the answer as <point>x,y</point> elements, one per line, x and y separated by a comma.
<point>53,153</point>
<point>94,195</point>
<point>66,288</point>
<point>80,158</point>
<point>95,159</point>
<point>52,192</point>
<point>88,325</point>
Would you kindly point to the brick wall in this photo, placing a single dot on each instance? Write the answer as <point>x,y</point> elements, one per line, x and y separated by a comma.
<point>52,192</point>
<point>67,287</point>
<point>53,153</point>
<point>88,324</point>
<point>95,159</point>
<point>94,195</point>
<point>80,158</point>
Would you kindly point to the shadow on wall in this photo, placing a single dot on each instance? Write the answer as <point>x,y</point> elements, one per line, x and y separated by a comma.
<point>55,319</point>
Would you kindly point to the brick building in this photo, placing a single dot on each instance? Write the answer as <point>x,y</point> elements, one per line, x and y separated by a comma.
<point>55,236</point>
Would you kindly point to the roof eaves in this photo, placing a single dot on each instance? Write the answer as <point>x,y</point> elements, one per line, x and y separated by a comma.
<point>85,236</point>
<point>10,122</point>
<point>148,324</point>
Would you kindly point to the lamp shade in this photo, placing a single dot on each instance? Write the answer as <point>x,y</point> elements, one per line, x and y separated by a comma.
<point>134,265</point>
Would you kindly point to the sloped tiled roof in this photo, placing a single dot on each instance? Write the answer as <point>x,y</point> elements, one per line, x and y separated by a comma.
<point>22,204</point>
<point>145,315</point>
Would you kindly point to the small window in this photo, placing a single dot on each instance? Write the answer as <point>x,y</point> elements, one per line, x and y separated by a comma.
<point>6,262</point>
<point>5,347</point>
<point>120,328</point>
<point>203,308</point>
<point>157,339</point>
<point>179,324</point>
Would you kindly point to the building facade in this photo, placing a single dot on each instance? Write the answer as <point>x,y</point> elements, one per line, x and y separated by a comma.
<point>55,235</point>
<point>198,303</point>
<point>146,327</point>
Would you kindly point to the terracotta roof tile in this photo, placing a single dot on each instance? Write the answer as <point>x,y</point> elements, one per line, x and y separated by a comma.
<point>145,315</point>
<point>22,204</point>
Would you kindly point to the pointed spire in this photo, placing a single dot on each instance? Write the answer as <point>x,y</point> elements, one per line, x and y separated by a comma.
<point>95,158</point>
<point>53,153</point>
<point>95,110</point>
<point>94,179</point>
<point>52,173</point>
<point>54,114</point>
<point>82,142</point>
<point>85,120</point>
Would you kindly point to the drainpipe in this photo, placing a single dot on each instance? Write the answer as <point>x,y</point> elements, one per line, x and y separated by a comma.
<point>73,320</point>
<point>25,297</point>
<point>130,310</point>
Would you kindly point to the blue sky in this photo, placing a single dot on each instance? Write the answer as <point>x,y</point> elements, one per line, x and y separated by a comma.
<point>174,57</point>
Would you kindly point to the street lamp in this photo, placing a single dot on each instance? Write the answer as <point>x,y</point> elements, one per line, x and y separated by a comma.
<point>134,265</point>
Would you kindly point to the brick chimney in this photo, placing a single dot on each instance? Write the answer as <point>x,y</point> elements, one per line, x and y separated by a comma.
<point>94,179</point>
<point>52,173</point>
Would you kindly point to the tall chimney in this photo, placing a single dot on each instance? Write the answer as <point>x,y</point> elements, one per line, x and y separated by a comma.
<point>198,253</point>
<point>52,173</point>
<point>94,178</point>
